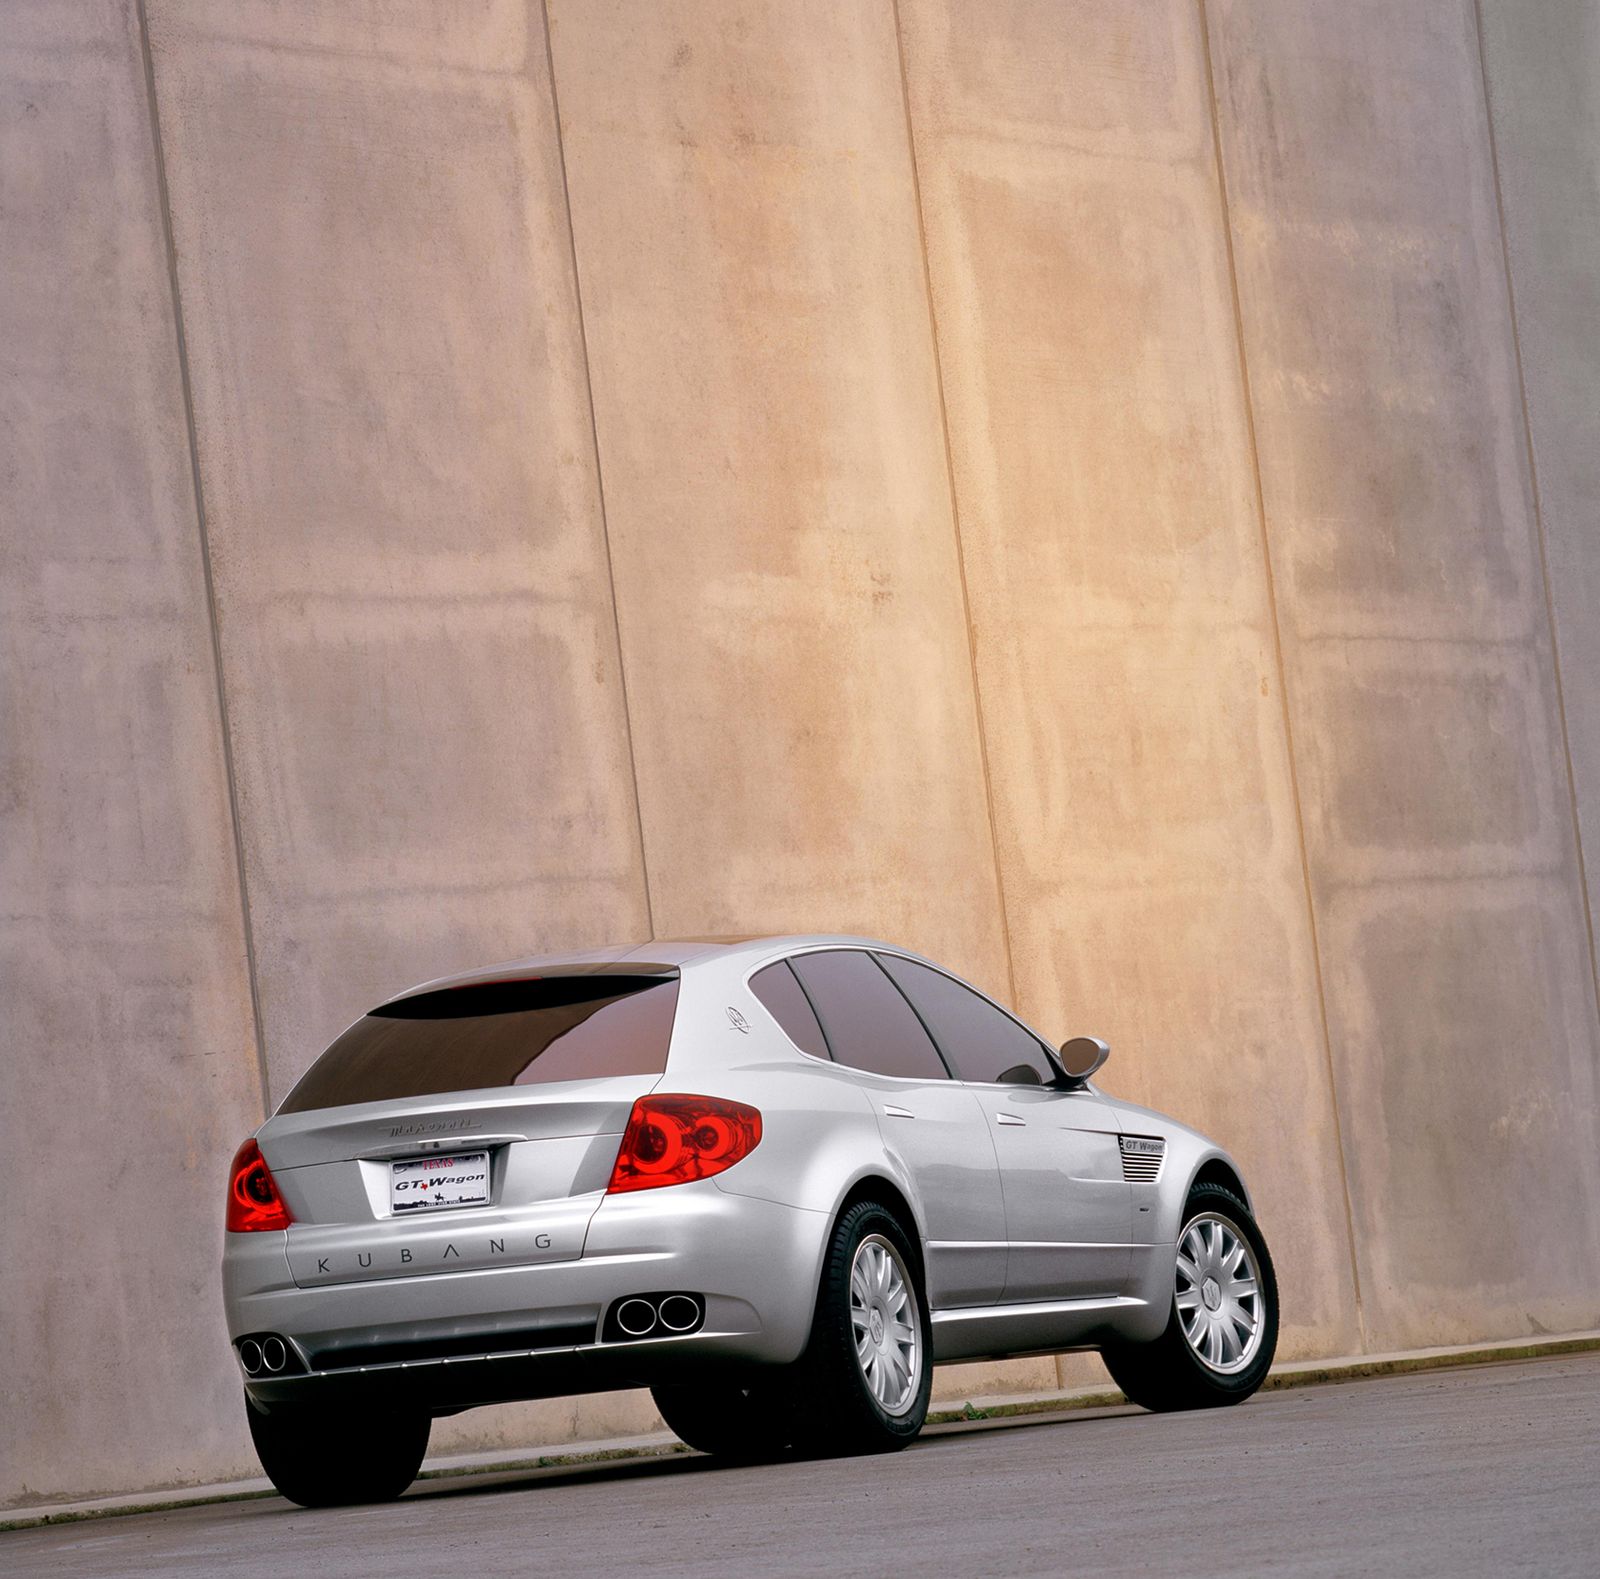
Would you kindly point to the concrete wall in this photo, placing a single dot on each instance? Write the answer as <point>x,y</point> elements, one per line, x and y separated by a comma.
<point>1437,805</point>
<point>1102,493</point>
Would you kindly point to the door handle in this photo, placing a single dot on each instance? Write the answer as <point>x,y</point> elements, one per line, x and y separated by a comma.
<point>1010,1118</point>
<point>891,1111</point>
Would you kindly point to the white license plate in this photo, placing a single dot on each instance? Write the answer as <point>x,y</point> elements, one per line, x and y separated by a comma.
<point>421,1184</point>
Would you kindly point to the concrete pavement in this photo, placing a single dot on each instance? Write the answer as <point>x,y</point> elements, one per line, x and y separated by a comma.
<point>1488,1470</point>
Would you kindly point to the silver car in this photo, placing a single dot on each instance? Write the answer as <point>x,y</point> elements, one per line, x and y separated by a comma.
<point>774,1180</point>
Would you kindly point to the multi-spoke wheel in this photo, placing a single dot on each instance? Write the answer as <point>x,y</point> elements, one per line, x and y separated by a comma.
<point>865,1379</point>
<point>883,1317</point>
<point>1223,1329</point>
<point>1218,1296</point>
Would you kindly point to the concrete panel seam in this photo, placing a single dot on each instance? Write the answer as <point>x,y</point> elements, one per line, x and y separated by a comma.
<point>1538,503</point>
<point>186,386</point>
<point>599,468</point>
<point>1282,667</point>
<point>955,507</point>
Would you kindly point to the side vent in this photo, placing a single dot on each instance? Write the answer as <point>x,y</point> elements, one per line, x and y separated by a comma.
<point>1142,1156</point>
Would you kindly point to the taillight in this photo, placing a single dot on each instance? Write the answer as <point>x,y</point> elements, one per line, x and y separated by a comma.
<point>253,1199</point>
<point>672,1139</point>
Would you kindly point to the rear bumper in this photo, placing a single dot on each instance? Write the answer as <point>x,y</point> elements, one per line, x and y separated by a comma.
<point>755,1263</point>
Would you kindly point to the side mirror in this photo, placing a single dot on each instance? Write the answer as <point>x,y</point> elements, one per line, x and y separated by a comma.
<point>1083,1056</point>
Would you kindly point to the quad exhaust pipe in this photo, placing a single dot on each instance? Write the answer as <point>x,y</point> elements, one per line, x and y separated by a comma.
<point>654,1316</point>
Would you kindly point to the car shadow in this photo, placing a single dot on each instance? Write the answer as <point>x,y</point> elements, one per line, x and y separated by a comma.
<point>685,1462</point>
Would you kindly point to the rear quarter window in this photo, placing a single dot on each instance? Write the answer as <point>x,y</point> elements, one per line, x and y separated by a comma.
<point>865,1017</point>
<point>496,1034</point>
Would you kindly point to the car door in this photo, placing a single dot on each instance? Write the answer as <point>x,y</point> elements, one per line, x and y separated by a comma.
<point>1068,1209</point>
<point>934,1126</point>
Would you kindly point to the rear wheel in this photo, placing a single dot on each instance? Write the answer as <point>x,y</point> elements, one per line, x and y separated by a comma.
<point>866,1377</point>
<point>322,1459</point>
<point>728,1421</point>
<point>1223,1328</point>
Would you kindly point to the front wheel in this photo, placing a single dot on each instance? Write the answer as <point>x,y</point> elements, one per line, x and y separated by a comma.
<point>325,1459</point>
<point>1223,1330</point>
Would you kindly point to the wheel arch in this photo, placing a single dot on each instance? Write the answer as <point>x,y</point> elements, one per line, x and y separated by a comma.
<point>1218,1169</point>
<point>879,1187</point>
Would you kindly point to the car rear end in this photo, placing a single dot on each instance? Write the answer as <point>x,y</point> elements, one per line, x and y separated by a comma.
<point>466,1201</point>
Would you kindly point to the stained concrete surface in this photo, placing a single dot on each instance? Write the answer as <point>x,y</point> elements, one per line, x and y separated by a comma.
<point>129,1055</point>
<point>1542,66</point>
<point>883,360</point>
<point>767,404</point>
<point>1487,1471</point>
<point>1438,827</point>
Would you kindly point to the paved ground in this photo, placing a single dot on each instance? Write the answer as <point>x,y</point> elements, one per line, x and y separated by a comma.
<point>1492,1470</point>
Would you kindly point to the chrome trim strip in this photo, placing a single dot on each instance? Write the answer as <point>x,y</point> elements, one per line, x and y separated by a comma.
<point>1054,1307</point>
<point>1036,1244</point>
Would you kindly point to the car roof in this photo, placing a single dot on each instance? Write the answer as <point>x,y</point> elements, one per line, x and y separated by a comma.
<point>663,956</point>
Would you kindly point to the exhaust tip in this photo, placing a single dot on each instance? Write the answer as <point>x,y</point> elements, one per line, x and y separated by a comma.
<point>680,1313</point>
<point>250,1357</point>
<point>636,1317</point>
<point>274,1355</point>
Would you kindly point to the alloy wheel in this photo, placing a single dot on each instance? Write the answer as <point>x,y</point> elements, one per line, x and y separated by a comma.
<point>1219,1298</point>
<point>885,1324</point>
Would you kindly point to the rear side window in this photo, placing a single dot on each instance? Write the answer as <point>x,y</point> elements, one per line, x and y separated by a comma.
<point>979,1041</point>
<point>868,1023</point>
<point>783,998</point>
<point>504,1033</point>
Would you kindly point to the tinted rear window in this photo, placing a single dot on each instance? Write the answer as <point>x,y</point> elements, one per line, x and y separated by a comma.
<point>784,1000</point>
<point>511,1033</point>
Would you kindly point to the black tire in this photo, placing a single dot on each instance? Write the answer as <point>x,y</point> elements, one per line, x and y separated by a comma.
<point>728,1421</point>
<point>836,1411</point>
<point>323,1458</point>
<point>1167,1373</point>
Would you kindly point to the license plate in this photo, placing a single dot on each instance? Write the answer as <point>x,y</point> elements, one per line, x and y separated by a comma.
<point>421,1184</point>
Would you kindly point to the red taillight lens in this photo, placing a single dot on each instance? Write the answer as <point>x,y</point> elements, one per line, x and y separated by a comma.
<point>671,1140</point>
<point>253,1199</point>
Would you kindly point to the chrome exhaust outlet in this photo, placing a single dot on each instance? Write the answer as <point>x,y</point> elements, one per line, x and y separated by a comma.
<point>274,1355</point>
<point>636,1317</point>
<point>250,1357</point>
<point>679,1313</point>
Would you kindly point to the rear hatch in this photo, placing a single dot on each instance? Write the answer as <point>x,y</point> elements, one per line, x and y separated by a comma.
<point>467,1127</point>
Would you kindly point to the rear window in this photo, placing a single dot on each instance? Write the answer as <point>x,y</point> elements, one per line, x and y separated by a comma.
<point>503,1033</point>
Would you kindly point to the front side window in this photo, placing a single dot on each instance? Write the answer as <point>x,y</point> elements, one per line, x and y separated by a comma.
<point>979,1041</point>
<point>782,997</point>
<point>500,1033</point>
<point>866,1019</point>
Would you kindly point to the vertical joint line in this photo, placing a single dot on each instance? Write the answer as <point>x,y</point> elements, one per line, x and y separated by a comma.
<point>955,509</point>
<point>1540,535</point>
<point>599,470</point>
<point>187,387</point>
<point>1282,666</point>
